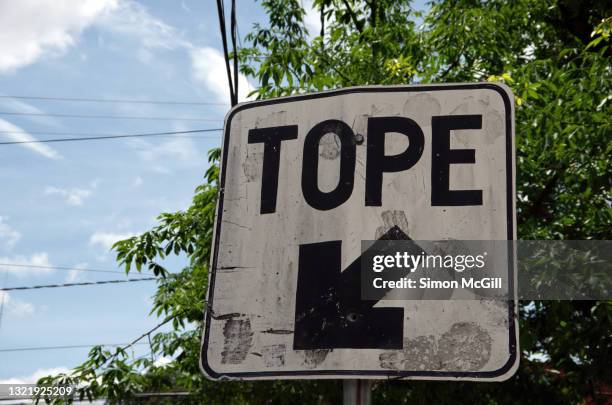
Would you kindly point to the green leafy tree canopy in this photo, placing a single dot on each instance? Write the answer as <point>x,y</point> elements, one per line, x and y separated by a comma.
<point>554,54</point>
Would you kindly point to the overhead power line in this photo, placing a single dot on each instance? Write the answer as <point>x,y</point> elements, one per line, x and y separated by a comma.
<point>110,100</point>
<point>147,334</point>
<point>124,346</point>
<point>233,30</point>
<point>232,77</point>
<point>110,117</point>
<point>91,138</point>
<point>41,348</point>
<point>33,266</point>
<point>88,134</point>
<point>38,287</point>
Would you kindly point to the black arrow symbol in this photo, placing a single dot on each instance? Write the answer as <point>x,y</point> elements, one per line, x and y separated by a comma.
<point>329,311</point>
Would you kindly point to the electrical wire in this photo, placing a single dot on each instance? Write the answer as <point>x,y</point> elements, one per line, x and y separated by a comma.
<point>139,338</point>
<point>221,14</point>
<point>233,30</point>
<point>91,138</point>
<point>110,117</point>
<point>147,333</point>
<point>40,348</point>
<point>109,100</point>
<point>61,268</point>
<point>38,287</point>
<point>87,134</point>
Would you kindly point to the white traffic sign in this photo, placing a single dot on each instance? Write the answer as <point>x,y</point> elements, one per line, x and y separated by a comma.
<point>306,179</point>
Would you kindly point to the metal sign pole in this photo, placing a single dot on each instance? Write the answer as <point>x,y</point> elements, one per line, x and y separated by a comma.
<point>357,392</point>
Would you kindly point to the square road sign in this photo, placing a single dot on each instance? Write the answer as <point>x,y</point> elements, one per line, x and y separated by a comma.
<point>305,179</point>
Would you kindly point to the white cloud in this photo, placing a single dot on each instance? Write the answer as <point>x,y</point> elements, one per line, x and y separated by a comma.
<point>15,307</point>
<point>131,19</point>
<point>181,150</point>
<point>8,236</point>
<point>107,239</point>
<point>208,69</point>
<point>312,19</point>
<point>19,265</point>
<point>23,107</point>
<point>160,169</point>
<point>162,361</point>
<point>75,273</point>
<point>35,376</point>
<point>73,196</point>
<point>15,133</point>
<point>20,308</point>
<point>137,182</point>
<point>34,28</point>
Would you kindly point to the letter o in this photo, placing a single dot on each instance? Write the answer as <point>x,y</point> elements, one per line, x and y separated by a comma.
<point>310,165</point>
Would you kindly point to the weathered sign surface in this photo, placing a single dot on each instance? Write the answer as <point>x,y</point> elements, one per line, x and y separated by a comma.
<point>304,180</point>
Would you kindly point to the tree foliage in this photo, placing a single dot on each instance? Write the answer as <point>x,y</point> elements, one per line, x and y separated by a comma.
<point>554,54</point>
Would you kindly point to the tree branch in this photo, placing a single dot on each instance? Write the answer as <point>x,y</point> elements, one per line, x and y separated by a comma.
<point>348,81</point>
<point>536,207</point>
<point>353,16</point>
<point>453,64</point>
<point>373,13</point>
<point>322,21</point>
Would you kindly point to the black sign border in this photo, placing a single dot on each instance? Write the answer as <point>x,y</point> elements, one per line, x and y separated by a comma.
<point>503,92</point>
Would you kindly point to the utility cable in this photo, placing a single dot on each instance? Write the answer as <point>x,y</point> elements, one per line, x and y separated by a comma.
<point>61,268</point>
<point>233,29</point>
<point>109,100</point>
<point>38,287</point>
<point>91,138</point>
<point>42,348</point>
<point>221,14</point>
<point>80,134</point>
<point>110,117</point>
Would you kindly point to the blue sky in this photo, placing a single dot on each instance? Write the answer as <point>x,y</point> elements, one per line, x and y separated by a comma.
<point>64,204</point>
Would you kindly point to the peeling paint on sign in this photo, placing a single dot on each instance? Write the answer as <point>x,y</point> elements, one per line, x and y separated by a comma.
<point>274,355</point>
<point>312,358</point>
<point>465,347</point>
<point>238,339</point>
<point>390,219</point>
